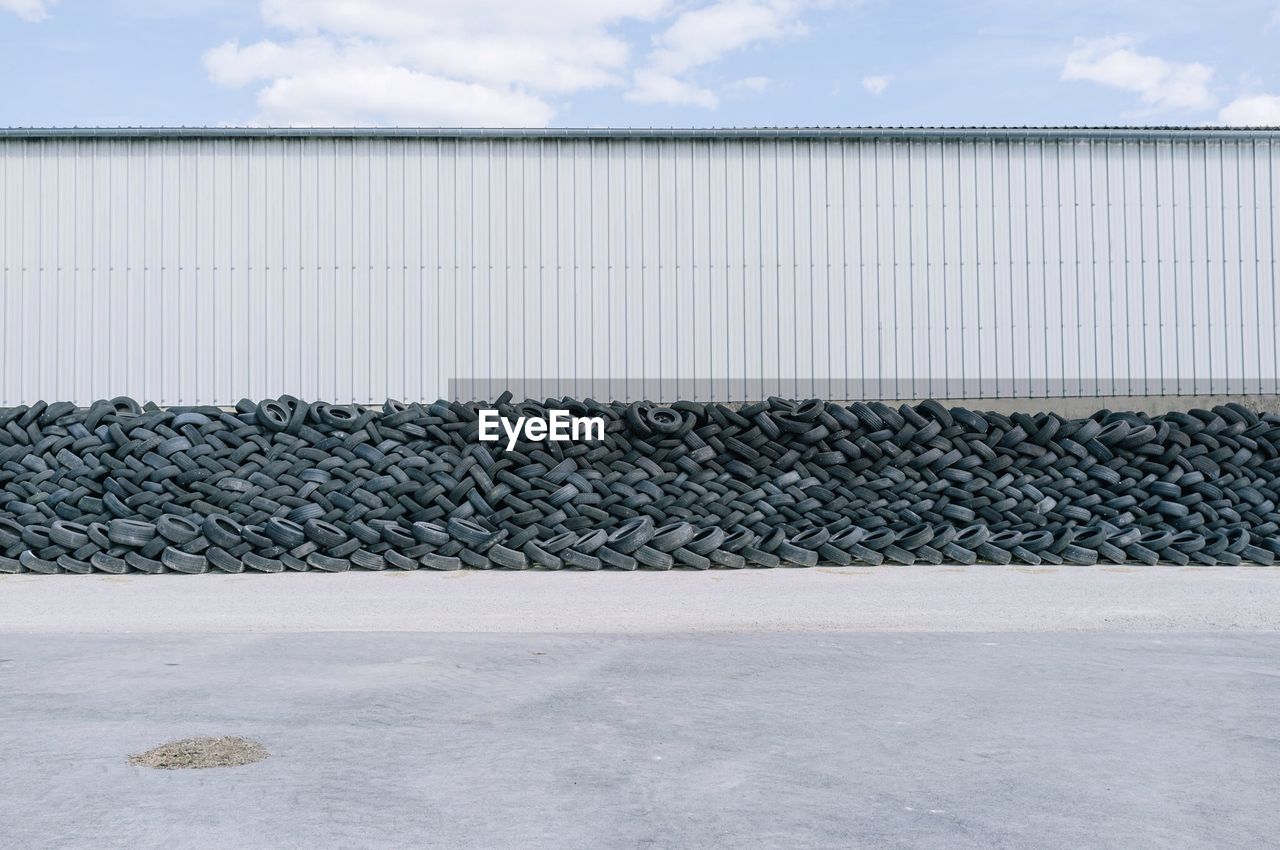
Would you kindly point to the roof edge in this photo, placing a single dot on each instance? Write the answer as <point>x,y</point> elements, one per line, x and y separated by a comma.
<point>711,133</point>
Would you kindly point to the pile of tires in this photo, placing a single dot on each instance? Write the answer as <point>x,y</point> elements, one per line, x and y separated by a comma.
<point>284,484</point>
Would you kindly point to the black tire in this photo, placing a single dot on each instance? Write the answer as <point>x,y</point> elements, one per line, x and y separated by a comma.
<point>143,564</point>
<point>578,560</point>
<point>686,558</point>
<point>554,545</point>
<point>130,532</point>
<point>272,415</point>
<point>898,555</point>
<point>916,536</point>
<point>507,559</point>
<point>1079,556</point>
<point>303,513</point>
<point>662,420</point>
<point>284,532</point>
<point>184,562</point>
<point>109,564</point>
<point>69,535</point>
<point>74,565</point>
<point>706,540</point>
<point>1258,555</point>
<point>222,531</point>
<point>670,537</point>
<point>630,536</point>
<point>259,564</point>
<point>611,557</point>
<point>35,564</point>
<point>797,555</point>
<point>1025,556</point>
<point>176,529</point>
<point>654,559</point>
<point>430,532</point>
<point>541,557</point>
<point>728,560</point>
<point>879,539</point>
<point>223,561</point>
<point>470,534</point>
<point>992,553</point>
<point>399,561</point>
<point>589,541</point>
<point>328,564</point>
<point>929,555</point>
<point>959,554</point>
<point>972,536</point>
<point>324,534</point>
<point>829,554</point>
<point>759,557</point>
<point>366,560</point>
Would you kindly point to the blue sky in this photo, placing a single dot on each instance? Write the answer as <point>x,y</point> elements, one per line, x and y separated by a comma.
<point>637,62</point>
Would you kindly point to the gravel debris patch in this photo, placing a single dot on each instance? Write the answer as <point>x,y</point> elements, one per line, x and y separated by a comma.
<point>200,753</point>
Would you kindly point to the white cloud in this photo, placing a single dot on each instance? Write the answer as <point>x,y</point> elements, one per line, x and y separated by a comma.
<point>483,62</point>
<point>701,36</point>
<point>487,62</point>
<point>331,96</point>
<point>653,87</point>
<point>28,10</point>
<point>755,85</point>
<point>876,83</point>
<point>1162,84</point>
<point>1255,110</point>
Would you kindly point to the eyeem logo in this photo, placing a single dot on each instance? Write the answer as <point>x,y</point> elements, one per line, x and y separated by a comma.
<point>559,427</point>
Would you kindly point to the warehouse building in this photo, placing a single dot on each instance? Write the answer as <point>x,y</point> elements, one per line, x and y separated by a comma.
<point>200,266</point>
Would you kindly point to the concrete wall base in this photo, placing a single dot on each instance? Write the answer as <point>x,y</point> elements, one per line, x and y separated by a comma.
<point>1077,407</point>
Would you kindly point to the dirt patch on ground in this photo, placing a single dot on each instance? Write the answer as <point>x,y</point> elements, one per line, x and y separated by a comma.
<point>198,753</point>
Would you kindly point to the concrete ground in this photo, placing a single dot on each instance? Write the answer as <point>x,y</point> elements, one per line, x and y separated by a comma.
<point>888,598</point>
<point>889,707</point>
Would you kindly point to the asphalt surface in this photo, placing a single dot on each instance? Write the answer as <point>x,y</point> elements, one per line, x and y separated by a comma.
<point>785,708</point>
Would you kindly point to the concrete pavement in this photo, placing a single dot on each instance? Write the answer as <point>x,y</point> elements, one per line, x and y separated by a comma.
<point>590,741</point>
<point>892,598</point>
<point>890,707</point>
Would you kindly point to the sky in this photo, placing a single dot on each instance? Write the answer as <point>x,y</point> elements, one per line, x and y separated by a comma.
<point>638,63</point>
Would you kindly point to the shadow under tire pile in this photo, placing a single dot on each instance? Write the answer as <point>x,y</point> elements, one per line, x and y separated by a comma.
<point>284,484</point>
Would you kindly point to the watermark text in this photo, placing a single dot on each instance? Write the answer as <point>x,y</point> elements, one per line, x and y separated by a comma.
<point>557,426</point>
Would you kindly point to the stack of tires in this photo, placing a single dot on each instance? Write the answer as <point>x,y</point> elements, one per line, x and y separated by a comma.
<point>284,484</point>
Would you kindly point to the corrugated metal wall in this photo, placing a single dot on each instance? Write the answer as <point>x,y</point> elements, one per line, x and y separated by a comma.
<point>201,270</point>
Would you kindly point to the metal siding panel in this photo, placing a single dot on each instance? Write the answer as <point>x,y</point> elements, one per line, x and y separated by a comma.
<point>1249,284</point>
<point>867,200</point>
<point>1112,268</point>
<point>449,322</point>
<point>1078,350</point>
<point>786,283</point>
<point>900,347</point>
<point>582,293</point>
<point>1263,281</point>
<point>1228,251</point>
<point>1180,271</point>
<point>1271,177</point>
<point>808,290</point>
<point>829,381</point>
<point>200,270</point>
<point>1012,232</point>
<point>754,311</point>
<point>932,224</point>
<point>1198,263</point>
<point>701,270</point>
